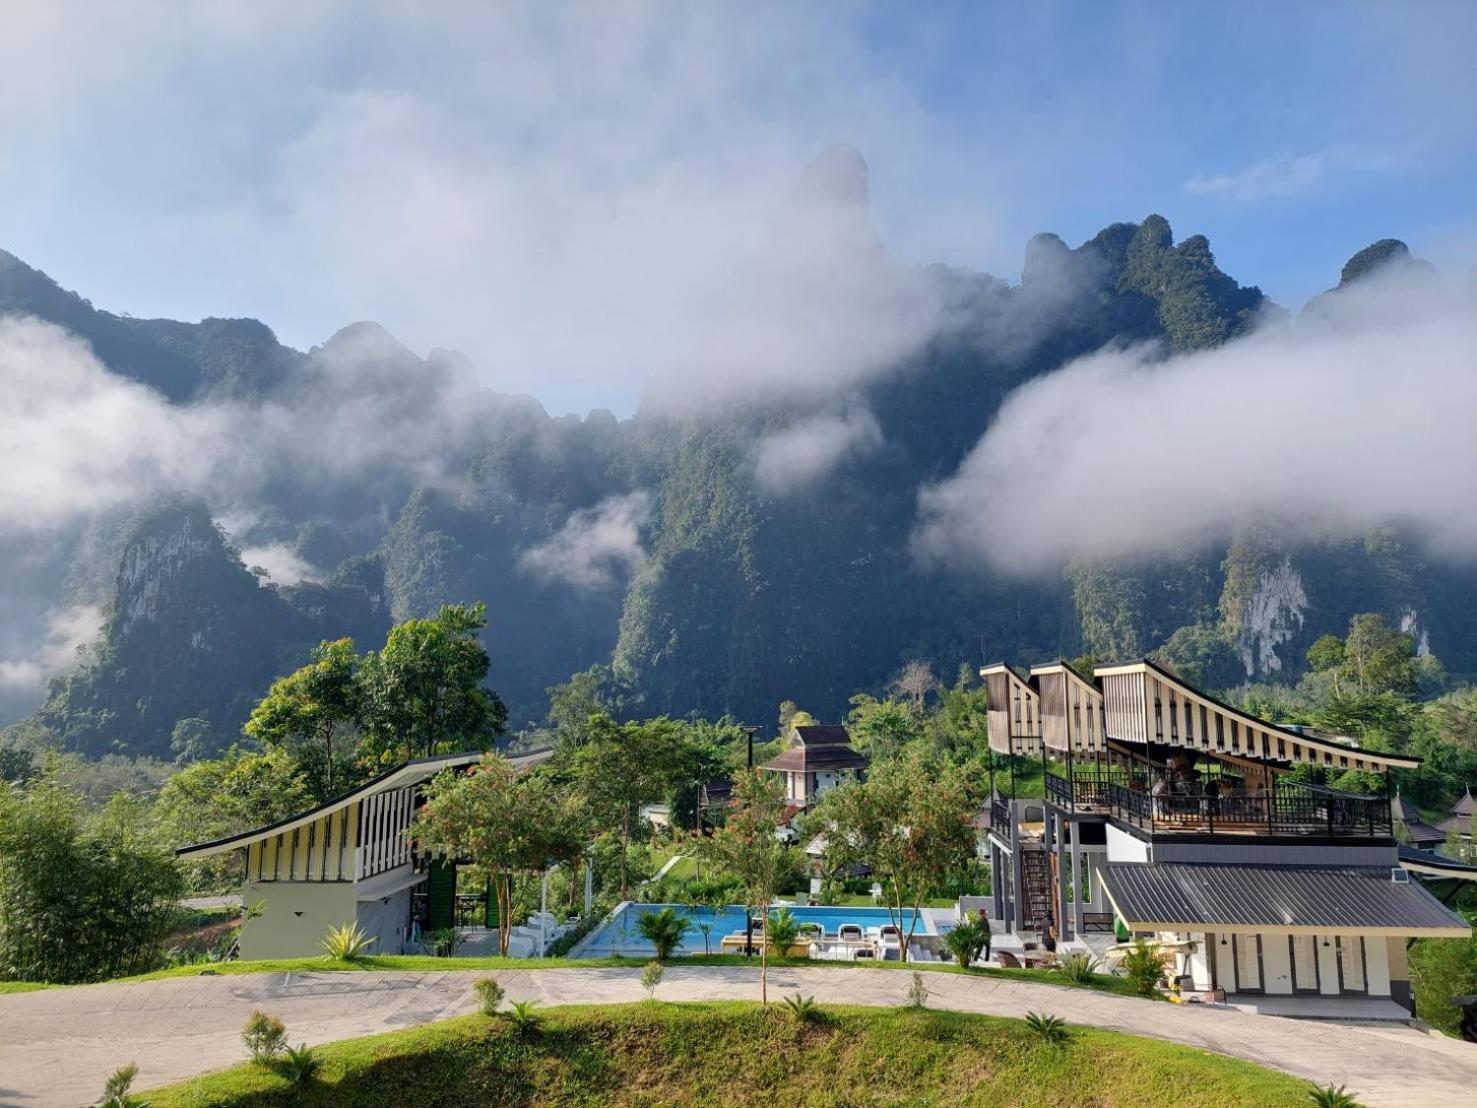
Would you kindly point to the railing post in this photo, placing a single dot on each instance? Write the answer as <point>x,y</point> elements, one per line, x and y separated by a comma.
<point>1328,814</point>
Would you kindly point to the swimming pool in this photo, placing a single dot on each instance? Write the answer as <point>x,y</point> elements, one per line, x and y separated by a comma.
<point>622,935</point>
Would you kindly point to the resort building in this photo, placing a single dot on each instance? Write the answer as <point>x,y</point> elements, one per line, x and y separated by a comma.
<point>819,757</point>
<point>351,860</point>
<point>1171,815</point>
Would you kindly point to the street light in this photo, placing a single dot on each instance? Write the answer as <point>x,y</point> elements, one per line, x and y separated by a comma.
<point>750,730</point>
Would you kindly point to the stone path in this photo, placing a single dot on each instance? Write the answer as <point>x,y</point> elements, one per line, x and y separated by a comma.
<point>57,1046</point>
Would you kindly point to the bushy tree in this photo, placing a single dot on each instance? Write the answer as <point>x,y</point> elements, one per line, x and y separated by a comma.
<point>910,821</point>
<point>83,896</point>
<point>622,766</point>
<point>881,728</point>
<point>314,713</point>
<point>507,823</point>
<point>424,694</point>
<point>238,792</point>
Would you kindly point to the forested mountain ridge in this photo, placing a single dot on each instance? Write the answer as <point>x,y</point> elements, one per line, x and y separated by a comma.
<point>658,544</point>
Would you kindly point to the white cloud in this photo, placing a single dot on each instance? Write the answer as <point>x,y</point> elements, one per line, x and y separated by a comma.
<point>1274,178</point>
<point>282,563</point>
<point>809,449</point>
<point>597,547</point>
<point>1357,416</point>
<point>67,630</point>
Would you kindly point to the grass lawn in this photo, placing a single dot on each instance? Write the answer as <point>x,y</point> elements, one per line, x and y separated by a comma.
<point>1101,982</point>
<point>23,987</point>
<point>736,1053</point>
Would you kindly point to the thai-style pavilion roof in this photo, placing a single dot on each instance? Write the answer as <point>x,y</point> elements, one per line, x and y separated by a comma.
<point>1417,830</point>
<point>1170,896</point>
<point>818,747</point>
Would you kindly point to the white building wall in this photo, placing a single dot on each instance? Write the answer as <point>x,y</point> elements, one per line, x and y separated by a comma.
<point>295,916</point>
<point>1123,847</point>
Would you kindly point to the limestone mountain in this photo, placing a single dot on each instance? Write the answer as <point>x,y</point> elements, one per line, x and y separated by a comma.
<point>652,544</point>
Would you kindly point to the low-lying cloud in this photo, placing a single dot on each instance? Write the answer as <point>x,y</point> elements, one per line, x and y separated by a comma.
<point>811,448</point>
<point>597,547</point>
<point>67,631</point>
<point>1357,415</point>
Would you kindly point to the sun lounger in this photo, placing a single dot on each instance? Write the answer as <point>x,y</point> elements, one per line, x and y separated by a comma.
<point>850,932</point>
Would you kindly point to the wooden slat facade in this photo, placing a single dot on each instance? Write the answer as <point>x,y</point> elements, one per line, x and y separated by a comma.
<point>1145,704</point>
<point>1071,710</point>
<point>1012,712</point>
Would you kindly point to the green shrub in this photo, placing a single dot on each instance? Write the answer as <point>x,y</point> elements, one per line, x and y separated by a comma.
<point>1052,1030</point>
<point>969,941</point>
<point>445,941</point>
<point>522,1016</point>
<point>300,1064</point>
<point>803,1009</point>
<point>489,994</point>
<point>664,930</point>
<point>1326,1096</point>
<point>918,991</point>
<point>1079,968</point>
<point>115,1091</point>
<point>783,929</point>
<point>84,895</point>
<point>1142,966</point>
<point>264,1036</point>
<point>651,977</point>
<point>346,943</point>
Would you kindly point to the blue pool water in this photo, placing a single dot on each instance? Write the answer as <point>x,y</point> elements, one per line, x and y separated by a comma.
<point>622,935</point>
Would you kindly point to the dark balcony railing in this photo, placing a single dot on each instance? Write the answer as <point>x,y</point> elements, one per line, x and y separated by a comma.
<point>1294,809</point>
<point>1058,790</point>
<point>999,815</point>
<point>1087,789</point>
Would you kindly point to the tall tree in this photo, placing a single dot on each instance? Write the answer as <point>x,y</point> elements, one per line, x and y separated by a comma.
<point>314,713</point>
<point>622,766</point>
<point>913,683</point>
<point>747,845</point>
<point>910,821</point>
<point>424,693</point>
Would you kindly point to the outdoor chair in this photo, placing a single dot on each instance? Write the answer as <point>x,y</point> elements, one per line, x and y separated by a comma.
<point>1008,960</point>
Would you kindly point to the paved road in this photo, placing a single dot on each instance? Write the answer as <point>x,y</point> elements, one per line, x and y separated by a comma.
<point>58,1046</point>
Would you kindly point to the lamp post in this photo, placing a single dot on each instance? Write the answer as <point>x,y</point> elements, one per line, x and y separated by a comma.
<point>750,731</point>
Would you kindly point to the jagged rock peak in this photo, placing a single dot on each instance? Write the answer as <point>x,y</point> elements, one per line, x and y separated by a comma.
<point>1047,256</point>
<point>839,176</point>
<point>1373,257</point>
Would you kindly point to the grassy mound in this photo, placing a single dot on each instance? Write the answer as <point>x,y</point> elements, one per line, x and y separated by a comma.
<point>735,1053</point>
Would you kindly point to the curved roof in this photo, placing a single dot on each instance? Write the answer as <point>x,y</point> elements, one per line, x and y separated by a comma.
<point>397,777</point>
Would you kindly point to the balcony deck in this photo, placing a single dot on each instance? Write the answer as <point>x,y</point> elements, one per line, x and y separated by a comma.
<point>1293,809</point>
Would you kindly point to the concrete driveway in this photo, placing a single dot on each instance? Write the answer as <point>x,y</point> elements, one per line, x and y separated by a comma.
<point>58,1046</point>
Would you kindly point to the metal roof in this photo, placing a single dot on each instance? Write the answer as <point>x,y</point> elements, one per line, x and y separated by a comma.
<point>407,773</point>
<point>1173,896</point>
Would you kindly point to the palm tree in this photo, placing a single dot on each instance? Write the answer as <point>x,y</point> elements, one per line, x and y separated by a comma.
<point>664,930</point>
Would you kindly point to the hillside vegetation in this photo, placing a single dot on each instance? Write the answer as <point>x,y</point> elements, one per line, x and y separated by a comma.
<point>735,1053</point>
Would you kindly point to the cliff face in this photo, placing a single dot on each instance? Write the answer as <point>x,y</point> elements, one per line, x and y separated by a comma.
<point>725,596</point>
<point>191,634</point>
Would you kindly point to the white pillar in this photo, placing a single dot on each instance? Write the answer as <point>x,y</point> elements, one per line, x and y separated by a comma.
<point>1076,881</point>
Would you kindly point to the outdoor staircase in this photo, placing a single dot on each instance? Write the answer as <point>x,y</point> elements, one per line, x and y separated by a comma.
<point>1036,882</point>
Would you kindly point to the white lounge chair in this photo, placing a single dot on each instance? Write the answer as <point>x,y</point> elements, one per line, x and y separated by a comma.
<point>850,933</point>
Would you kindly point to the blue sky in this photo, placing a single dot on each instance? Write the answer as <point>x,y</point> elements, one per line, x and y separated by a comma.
<point>543,188</point>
